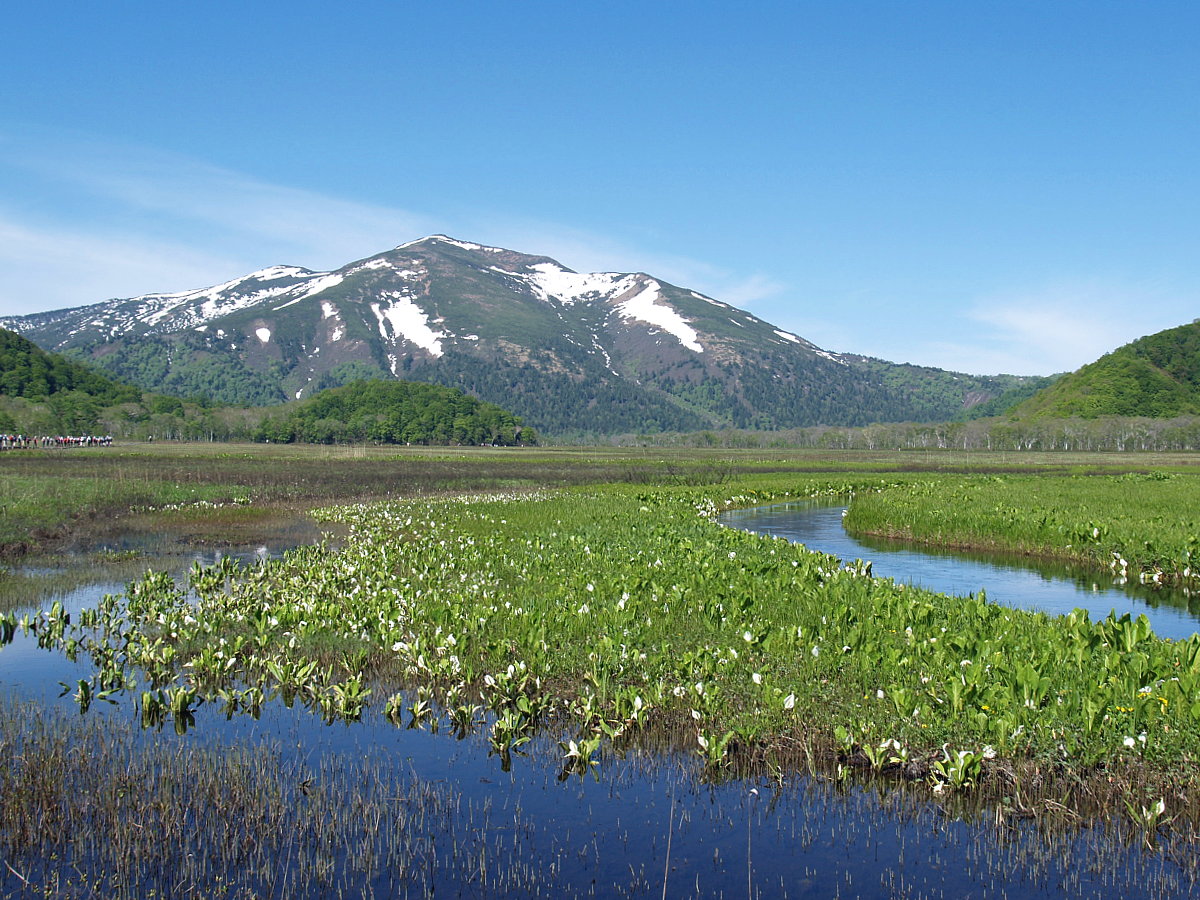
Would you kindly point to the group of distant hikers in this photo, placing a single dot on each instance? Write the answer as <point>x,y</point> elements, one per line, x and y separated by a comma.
<point>47,442</point>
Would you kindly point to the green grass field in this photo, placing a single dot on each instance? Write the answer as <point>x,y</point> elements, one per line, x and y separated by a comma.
<point>45,495</point>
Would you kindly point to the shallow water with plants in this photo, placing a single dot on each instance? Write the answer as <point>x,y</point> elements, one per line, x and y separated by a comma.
<point>586,691</point>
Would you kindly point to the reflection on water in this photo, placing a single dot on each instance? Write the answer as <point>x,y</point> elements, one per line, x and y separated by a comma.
<point>1053,588</point>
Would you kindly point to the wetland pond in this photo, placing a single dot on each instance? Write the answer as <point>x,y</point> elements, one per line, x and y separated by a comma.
<point>419,813</point>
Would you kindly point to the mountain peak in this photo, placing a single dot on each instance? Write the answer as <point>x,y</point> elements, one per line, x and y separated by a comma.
<point>454,242</point>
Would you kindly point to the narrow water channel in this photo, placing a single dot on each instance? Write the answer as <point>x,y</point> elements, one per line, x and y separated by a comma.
<point>1054,588</point>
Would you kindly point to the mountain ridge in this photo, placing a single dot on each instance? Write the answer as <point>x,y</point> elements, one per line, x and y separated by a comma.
<point>570,352</point>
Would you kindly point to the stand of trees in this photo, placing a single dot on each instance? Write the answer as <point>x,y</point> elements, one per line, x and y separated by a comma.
<point>29,372</point>
<point>1112,433</point>
<point>396,412</point>
<point>47,394</point>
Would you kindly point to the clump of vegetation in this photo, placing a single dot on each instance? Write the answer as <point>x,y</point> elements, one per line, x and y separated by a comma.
<point>396,412</point>
<point>48,394</point>
<point>28,371</point>
<point>45,496</point>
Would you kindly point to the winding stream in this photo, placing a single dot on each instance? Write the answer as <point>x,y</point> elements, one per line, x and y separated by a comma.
<point>1053,588</point>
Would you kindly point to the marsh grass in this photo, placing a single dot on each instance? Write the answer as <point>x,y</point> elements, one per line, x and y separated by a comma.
<point>89,810</point>
<point>1136,526</point>
<point>94,810</point>
<point>622,615</point>
<point>52,578</point>
<point>36,510</point>
<point>46,496</point>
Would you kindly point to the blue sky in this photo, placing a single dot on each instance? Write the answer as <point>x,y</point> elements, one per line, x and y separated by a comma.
<point>979,186</point>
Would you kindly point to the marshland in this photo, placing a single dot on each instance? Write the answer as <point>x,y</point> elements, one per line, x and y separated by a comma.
<point>287,671</point>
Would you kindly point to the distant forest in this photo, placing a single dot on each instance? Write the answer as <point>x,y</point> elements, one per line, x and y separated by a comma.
<point>47,394</point>
<point>1108,434</point>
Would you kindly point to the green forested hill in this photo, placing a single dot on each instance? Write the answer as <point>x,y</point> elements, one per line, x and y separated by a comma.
<point>45,393</point>
<point>1157,376</point>
<point>28,371</point>
<point>396,412</point>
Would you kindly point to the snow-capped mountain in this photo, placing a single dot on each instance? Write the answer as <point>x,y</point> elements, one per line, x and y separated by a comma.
<point>569,351</point>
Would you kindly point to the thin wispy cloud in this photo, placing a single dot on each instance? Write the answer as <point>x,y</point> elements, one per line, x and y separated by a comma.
<point>52,267</point>
<point>1056,328</point>
<point>215,208</point>
<point>224,224</point>
<point>136,221</point>
<point>1034,331</point>
<point>1063,326</point>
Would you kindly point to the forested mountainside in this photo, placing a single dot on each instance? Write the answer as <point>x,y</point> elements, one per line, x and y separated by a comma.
<point>46,394</point>
<point>1157,376</point>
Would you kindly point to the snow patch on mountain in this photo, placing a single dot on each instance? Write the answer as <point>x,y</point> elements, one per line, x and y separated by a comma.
<point>318,284</point>
<point>644,308</point>
<point>216,301</point>
<point>328,310</point>
<point>710,300</point>
<point>374,264</point>
<point>403,319</point>
<point>443,239</point>
<point>832,357</point>
<point>264,334</point>
<point>809,345</point>
<point>384,263</point>
<point>273,273</point>
<point>189,309</point>
<point>549,280</point>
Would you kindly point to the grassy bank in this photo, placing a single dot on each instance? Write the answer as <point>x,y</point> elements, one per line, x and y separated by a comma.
<point>51,495</point>
<point>1143,526</point>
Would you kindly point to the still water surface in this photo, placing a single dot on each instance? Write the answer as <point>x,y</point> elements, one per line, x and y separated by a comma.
<point>648,824</point>
<point>1016,581</point>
